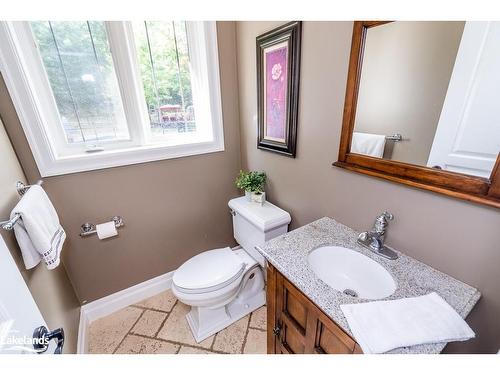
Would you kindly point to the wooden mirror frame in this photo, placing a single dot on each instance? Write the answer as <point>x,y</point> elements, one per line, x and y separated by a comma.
<point>471,188</point>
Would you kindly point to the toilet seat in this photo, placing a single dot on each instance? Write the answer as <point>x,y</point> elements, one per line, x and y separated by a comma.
<point>214,298</point>
<point>209,271</point>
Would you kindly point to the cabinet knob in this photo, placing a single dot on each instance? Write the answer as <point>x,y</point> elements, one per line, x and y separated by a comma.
<point>276,330</point>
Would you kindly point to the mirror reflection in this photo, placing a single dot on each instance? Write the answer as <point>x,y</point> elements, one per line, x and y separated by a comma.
<point>428,95</point>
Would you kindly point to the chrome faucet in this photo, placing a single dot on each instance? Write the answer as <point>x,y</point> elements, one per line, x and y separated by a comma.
<point>377,234</point>
<point>374,239</point>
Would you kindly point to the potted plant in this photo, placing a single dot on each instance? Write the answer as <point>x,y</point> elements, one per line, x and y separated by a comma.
<point>252,183</point>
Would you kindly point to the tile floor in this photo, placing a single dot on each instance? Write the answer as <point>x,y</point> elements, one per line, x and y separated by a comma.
<point>158,325</point>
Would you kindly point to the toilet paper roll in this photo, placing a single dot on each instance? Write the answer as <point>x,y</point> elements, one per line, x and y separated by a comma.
<point>106,230</point>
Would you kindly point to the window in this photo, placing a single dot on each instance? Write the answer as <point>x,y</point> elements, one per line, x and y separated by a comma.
<point>80,70</point>
<point>164,63</point>
<point>94,94</point>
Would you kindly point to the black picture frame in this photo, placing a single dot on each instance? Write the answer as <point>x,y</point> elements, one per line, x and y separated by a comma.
<point>291,34</point>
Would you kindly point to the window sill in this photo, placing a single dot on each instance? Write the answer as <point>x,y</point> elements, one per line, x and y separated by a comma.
<point>122,157</point>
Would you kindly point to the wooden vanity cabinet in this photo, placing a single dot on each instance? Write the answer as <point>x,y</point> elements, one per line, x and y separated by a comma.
<point>295,325</point>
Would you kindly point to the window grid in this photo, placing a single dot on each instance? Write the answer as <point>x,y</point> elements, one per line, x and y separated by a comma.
<point>167,115</point>
<point>88,100</point>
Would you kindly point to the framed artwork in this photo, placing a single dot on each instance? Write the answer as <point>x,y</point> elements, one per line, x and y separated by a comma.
<point>278,71</point>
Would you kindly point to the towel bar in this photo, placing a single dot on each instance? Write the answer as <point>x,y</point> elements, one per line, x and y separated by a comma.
<point>396,137</point>
<point>88,229</point>
<point>21,190</point>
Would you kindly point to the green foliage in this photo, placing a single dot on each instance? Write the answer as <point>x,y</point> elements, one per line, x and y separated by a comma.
<point>68,54</point>
<point>169,79</point>
<point>71,50</point>
<point>252,181</point>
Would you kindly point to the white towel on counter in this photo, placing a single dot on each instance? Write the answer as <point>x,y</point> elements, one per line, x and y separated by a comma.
<point>381,326</point>
<point>368,144</point>
<point>38,231</point>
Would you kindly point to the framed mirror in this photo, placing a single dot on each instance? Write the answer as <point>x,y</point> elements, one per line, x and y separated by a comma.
<point>421,106</point>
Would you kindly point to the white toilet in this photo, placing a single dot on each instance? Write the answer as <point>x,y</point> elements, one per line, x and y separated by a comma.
<point>224,285</point>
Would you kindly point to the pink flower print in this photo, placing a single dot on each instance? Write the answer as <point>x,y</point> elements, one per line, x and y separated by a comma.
<point>276,71</point>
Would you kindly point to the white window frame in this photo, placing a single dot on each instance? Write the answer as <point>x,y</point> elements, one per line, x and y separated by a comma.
<point>27,84</point>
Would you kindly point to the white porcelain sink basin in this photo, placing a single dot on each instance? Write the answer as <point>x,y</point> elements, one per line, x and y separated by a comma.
<point>351,272</point>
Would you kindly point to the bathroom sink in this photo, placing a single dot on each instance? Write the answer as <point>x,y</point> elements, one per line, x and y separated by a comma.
<point>351,272</point>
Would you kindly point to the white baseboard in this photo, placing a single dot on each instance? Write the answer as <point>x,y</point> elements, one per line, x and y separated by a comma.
<point>116,301</point>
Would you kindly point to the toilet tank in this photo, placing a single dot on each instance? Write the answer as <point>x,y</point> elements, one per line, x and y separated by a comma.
<point>254,224</point>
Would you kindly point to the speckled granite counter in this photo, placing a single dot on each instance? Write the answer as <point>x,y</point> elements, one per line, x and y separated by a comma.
<point>288,253</point>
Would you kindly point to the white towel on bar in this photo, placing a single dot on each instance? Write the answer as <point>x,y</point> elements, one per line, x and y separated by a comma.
<point>368,144</point>
<point>381,326</point>
<point>38,231</point>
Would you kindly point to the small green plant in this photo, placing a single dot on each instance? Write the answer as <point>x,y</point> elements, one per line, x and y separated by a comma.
<point>252,181</point>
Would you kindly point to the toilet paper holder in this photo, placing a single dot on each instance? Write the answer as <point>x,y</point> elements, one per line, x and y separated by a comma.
<point>88,229</point>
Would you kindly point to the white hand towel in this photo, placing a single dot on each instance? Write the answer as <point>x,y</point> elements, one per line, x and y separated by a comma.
<point>368,144</point>
<point>381,326</point>
<point>38,231</point>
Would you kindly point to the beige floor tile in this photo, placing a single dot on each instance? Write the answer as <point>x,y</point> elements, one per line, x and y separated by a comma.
<point>177,329</point>
<point>259,318</point>
<point>149,323</point>
<point>163,301</point>
<point>191,350</point>
<point>256,342</point>
<point>142,345</point>
<point>106,333</point>
<point>230,339</point>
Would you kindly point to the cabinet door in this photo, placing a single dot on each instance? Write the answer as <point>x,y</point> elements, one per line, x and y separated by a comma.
<point>331,339</point>
<point>298,326</point>
<point>287,316</point>
<point>293,316</point>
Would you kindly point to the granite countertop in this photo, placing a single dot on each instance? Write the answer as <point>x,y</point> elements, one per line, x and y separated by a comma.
<point>288,253</point>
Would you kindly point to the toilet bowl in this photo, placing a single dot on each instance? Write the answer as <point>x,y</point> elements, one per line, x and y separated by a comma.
<point>223,285</point>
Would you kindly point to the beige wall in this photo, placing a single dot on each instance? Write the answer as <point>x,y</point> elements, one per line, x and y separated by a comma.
<point>51,290</point>
<point>173,209</point>
<point>406,71</point>
<point>453,236</point>
<point>176,208</point>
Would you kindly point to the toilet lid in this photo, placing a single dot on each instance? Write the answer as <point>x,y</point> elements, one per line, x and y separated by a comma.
<point>209,270</point>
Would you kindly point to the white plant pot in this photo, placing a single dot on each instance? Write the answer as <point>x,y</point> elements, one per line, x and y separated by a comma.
<point>258,197</point>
